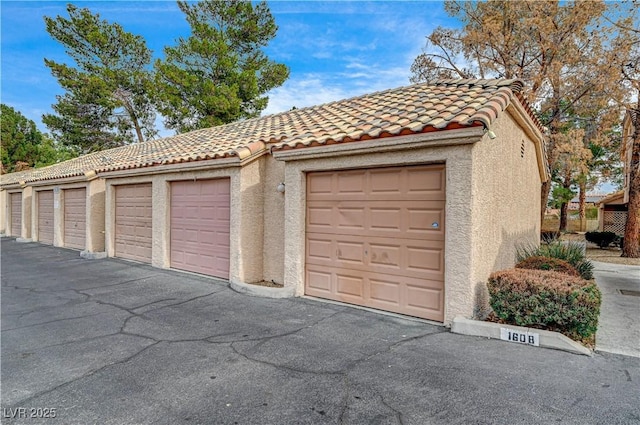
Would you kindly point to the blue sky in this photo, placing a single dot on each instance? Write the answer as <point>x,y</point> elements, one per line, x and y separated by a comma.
<point>334,49</point>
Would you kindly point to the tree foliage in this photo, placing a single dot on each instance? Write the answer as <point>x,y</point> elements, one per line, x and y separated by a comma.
<point>219,73</point>
<point>106,101</point>
<point>565,52</point>
<point>23,145</point>
<point>629,41</point>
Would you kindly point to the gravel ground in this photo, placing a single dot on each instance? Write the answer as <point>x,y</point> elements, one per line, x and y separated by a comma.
<point>607,255</point>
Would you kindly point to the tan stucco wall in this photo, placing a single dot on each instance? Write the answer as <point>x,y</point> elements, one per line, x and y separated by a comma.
<point>273,246</point>
<point>458,239</point>
<point>246,226</point>
<point>505,202</point>
<point>248,213</point>
<point>95,215</point>
<point>27,197</point>
<point>3,212</point>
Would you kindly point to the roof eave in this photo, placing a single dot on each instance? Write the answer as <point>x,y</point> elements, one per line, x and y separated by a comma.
<point>452,137</point>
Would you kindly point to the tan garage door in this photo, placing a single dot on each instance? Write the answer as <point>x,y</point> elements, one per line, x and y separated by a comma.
<point>375,238</point>
<point>75,216</point>
<point>16,214</point>
<point>45,216</point>
<point>133,222</point>
<point>200,226</point>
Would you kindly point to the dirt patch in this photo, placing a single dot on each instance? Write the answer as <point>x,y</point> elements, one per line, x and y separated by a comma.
<point>605,255</point>
<point>610,255</point>
<point>268,284</point>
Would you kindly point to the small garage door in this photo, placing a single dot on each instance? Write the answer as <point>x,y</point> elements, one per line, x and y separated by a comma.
<point>75,214</point>
<point>375,238</point>
<point>45,216</point>
<point>200,226</point>
<point>133,222</point>
<point>16,214</point>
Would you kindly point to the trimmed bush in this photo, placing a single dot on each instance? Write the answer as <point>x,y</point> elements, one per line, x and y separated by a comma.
<point>602,239</point>
<point>572,253</point>
<point>546,300</point>
<point>546,263</point>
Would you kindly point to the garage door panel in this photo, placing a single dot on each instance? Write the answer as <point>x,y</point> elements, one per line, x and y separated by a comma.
<point>376,238</point>
<point>422,259</point>
<point>133,227</point>
<point>413,258</point>
<point>16,214</point>
<point>200,222</point>
<point>385,184</point>
<point>75,211</point>
<point>318,283</point>
<point>349,286</point>
<point>403,220</point>
<point>45,216</point>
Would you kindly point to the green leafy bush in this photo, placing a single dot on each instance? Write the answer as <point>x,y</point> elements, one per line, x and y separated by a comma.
<point>546,300</point>
<point>573,253</point>
<point>546,263</point>
<point>602,239</point>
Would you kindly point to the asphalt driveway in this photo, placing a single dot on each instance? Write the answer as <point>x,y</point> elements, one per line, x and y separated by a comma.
<point>113,342</point>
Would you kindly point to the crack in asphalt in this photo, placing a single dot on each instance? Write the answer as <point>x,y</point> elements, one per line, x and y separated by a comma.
<point>231,343</point>
<point>83,376</point>
<point>397,412</point>
<point>52,321</point>
<point>121,283</point>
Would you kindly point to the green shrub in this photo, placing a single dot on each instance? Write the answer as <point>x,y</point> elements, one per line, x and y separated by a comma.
<point>572,252</point>
<point>546,263</point>
<point>602,239</point>
<point>548,236</point>
<point>547,300</point>
<point>592,213</point>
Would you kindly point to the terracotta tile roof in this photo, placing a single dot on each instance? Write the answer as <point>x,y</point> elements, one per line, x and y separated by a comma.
<point>419,108</point>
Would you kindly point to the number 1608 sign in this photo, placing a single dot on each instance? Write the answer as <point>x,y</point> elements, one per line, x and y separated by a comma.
<point>511,335</point>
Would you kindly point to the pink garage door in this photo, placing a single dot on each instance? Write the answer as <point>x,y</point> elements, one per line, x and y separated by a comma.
<point>45,216</point>
<point>75,217</point>
<point>200,226</point>
<point>16,214</point>
<point>133,233</point>
<point>375,238</point>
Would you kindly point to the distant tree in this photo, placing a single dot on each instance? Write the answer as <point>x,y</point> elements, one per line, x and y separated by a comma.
<point>106,101</point>
<point>220,73</point>
<point>630,64</point>
<point>563,51</point>
<point>23,145</point>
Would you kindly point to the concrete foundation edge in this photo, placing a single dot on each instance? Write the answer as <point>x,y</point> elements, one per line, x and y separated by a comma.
<point>262,291</point>
<point>93,255</point>
<point>23,240</point>
<point>548,339</point>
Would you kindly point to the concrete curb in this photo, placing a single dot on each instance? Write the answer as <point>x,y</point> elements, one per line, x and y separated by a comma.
<point>262,291</point>
<point>93,255</point>
<point>491,330</point>
<point>23,240</point>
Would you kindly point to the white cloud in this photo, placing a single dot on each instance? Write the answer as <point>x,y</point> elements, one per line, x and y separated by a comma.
<point>315,89</point>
